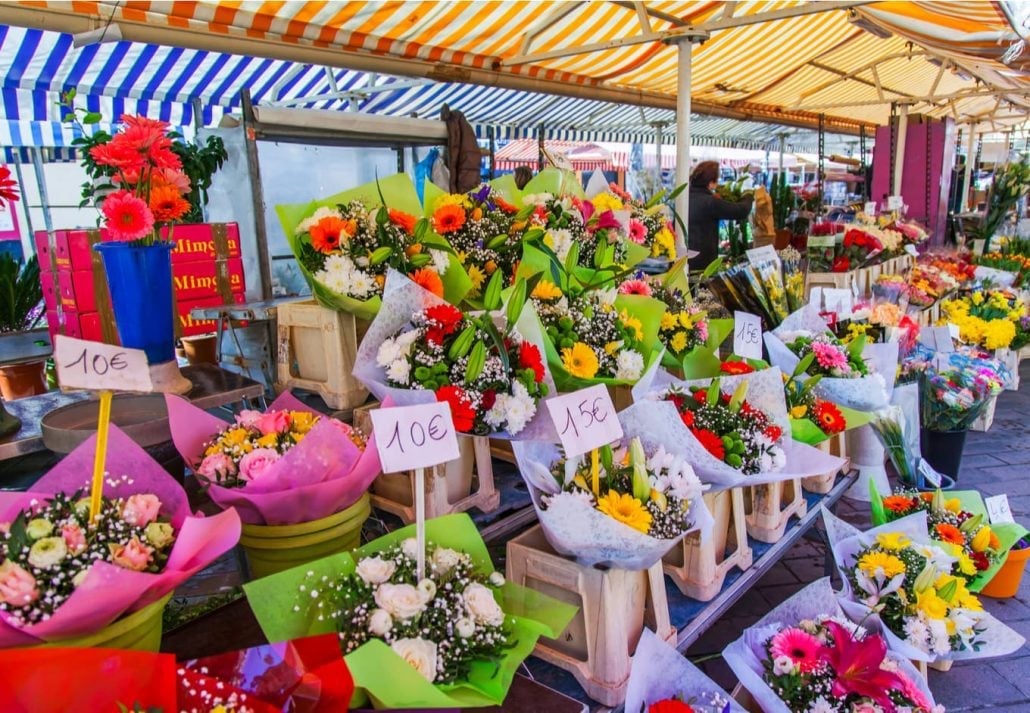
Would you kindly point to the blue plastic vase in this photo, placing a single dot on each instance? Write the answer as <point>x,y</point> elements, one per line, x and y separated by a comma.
<point>140,280</point>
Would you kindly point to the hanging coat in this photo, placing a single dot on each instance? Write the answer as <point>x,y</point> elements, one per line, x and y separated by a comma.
<point>463,153</point>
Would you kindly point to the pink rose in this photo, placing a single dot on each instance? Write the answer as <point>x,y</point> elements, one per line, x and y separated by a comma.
<point>140,509</point>
<point>273,422</point>
<point>254,464</point>
<point>248,417</point>
<point>134,555</point>
<point>74,539</point>
<point>17,586</point>
<point>216,465</point>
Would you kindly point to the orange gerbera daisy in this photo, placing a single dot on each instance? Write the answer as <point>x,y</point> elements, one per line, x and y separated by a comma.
<point>448,219</point>
<point>428,279</point>
<point>829,417</point>
<point>329,232</point>
<point>898,503</point>
<point>949,533</point>
<point>167,204</point>
<point>405,221</point>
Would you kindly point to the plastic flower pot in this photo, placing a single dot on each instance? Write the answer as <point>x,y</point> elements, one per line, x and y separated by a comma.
<point>20,380</point>
<point>1006,582</point>
<point>943,450</point>
<point>139,631</point>
<point>140,280</point>
<point>274,548</point>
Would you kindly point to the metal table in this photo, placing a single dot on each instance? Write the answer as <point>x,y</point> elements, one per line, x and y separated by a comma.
<point>212,387</point>
<point>25,347</point>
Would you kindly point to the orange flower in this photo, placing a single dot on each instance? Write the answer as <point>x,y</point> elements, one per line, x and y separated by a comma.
<point>898,503</point>
<point>949,533</point>
<point>504,205</point>
<point>414,249</point>
<point>405,221</point>
<point>167,204</point>
<point>829,417</point>
<point>429,280</point>
<point>995,542</point>
<point>927,497</point>
<point>329,232</point>
<point>448,219</point>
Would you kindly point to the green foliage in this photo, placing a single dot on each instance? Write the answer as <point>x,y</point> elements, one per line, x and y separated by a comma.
<point>784,201</point>
<point>1011,182</point>
<point>20,291</point>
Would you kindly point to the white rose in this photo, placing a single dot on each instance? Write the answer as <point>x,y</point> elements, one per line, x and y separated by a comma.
<point>445,559</point>
<point>402,601</point>
<point>465,627</point>
<point>380,622</point>
<point>38,527</point>
<point>48,552</point>
<point>782,665</point>
<point>375,570</point>
<point>497,579</point>
<point>410,548</point>
<point>419,654</point>
<point>482,606</point>
<point>427,588</point>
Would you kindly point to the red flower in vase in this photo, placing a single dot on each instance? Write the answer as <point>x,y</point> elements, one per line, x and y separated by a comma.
<point>8,186</point>
<point>711,442</point>
<point>127,217</point>
<point>462,412</point>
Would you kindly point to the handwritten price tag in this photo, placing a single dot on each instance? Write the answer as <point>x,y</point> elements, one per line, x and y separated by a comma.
<point>409,437</point>
<point>584,419</point>
<point>98,367</point>
<point>747,335</point>
<point>894,202</point>
<point>870,208</point>
<point>998,508</point>
<point>766,253</point>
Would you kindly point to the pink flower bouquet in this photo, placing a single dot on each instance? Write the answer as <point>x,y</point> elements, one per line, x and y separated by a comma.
<point>61,577</point>
<point>282,467</point>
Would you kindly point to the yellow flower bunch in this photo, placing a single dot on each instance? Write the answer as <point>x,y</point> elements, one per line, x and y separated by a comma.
<point>458,199</point>
<point>580,361</point>
<point>607,201</point>
<point>664,244</point>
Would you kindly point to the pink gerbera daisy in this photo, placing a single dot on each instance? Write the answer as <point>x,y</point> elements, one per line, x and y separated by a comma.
<point>637,231</point>
<point>635,287</point>
<point>799,646</point>
<point>829,356</point>
<point>128,217</point>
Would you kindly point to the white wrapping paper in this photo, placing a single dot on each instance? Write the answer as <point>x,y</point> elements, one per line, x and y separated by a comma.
<point>847,541</point>
<point>866,393</point>
<point>578,530</point>
<point>660,672</point>
<point>661,424</point>
<point>401,299</point>
<point>746,654</point>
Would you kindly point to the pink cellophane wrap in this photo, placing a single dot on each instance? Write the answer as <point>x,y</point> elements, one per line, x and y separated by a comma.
<point>322,475</point>
<point>109,591</point>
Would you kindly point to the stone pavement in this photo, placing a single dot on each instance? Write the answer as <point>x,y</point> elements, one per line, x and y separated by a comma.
<point>994,462</point>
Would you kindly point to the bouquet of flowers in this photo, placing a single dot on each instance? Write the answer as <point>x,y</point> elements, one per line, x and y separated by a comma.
<point>895,575</point>
<point>739,287</point>
<point>449,640</point>
<point>954,269</point>
<point>793,278</point>
<point>806,656</point>
<point>284,466</point>
<point>813,420</point>
<point>1016,264</point>
<point>985,318</point>
<point>822,354</point>
<point>65,577</point>
<point>345,244</point>
<point>713,437</point>
<point>488,367</point>
<point>649,223</point>
<point>859,248</point>
<point>952,398</point>
<point>481,226</point>
<point>822,251</point>
<point>628,512</point>
<point>662,680</point>
<point>959,523</point>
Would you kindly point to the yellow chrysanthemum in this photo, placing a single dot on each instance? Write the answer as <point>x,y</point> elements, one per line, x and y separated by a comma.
<point>687,319</point>
<point>268,440</point>
<point>669,321</point>
<point>633,324</point>
<point>930,604</point>
<point>546,290</point>
<point>998,334</point>
<point>580,361</point>
<point>477,276</point>
<point>606,201</point>
<point>458,199</point>
<point>798,411</point>
<point>626,509</point>
<point>875,562</point>
<point>664,244</point>
<point>678,342</point>
<point>893,540</point>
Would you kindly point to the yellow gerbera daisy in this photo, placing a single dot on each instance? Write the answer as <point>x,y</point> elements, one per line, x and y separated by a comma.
<point>546,290</point>
<point>626,509</point>
<point>633,324</point>
<point>875,562</point>
<point>580,361</point>
<point>893,540</point>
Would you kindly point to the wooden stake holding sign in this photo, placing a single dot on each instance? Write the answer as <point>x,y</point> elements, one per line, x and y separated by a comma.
<point>415,437</point>
<point>104,368</point>
<point>585,421</point>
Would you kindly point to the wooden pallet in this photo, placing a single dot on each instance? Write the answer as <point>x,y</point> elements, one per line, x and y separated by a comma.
<point>316,351</point>
<point>835,445</point>
<point>449,486</point>
<point>700,568</point>
<point>768,508</point>
<point>615,606</point>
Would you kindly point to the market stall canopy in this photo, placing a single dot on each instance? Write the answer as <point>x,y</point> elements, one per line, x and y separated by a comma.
<point>580,156</point>
<point>786,61</point>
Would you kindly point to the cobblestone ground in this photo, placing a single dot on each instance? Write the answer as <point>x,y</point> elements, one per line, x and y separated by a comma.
<point>994,462</point>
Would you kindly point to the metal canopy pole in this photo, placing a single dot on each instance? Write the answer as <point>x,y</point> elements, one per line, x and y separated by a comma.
<point>899,155</point>
<point>257,195</point>
<point>684,45</point>
<point>658,128</point>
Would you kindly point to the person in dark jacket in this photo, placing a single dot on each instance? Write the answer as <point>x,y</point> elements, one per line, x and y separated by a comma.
<point>706,210</point>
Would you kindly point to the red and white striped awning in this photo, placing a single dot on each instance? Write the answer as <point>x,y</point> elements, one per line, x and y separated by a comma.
<point>526,152</point>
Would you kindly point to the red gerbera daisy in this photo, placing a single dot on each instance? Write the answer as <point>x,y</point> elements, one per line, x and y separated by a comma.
<point>711,442</point>
<point>828,417</point>
<point>462,412</point>
<point>8,186</point>
<point>448,317</point>
<point>529,358</point>
<point>773,432</point>
<point>127,217</point>
<point>688,418</point>
<point>127,159</point>
<point>736,367</point>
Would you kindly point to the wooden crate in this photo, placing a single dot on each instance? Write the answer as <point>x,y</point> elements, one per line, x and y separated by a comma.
<point>316,351</point>
<point>836,445</point>
<point>700,568</point>
<point>455,486</point>
<point>1011,361</point>
<point>614,607</point>
<point>768,508</point>
<point>839,280</point>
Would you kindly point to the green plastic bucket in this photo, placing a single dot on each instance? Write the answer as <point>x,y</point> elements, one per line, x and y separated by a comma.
<point>140,631</point>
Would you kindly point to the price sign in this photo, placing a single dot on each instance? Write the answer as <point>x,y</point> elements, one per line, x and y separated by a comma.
<point>97,367</point>
<point>766,253</point>
<point>870,208</point>
<point>838,300</point>
<point>822,241</point>
<point>894,202</point>
<point>911,250</point>
<point>410,437</point>
<point>998,509</point>
<point>747,335</point>
<point>978,246</point>
<point>930,475</point>
<point>584,419</point>
<point>953,331</point>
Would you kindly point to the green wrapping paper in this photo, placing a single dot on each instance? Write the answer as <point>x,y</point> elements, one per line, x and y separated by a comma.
<point>1009,533</point>
<point>807,431</point>
<point>399,193</point>
<point>556,182</point>
<point>703,362</point>
<point>384,676</point>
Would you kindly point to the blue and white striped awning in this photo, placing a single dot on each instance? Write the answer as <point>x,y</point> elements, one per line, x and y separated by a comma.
<point>164,82</point>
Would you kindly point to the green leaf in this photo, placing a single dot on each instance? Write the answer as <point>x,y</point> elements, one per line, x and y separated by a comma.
<point>516,302</point>
<point>421,228</point>
<point>420,260</point>
<point>496,242</point>
<point>712,268</point>
<point>572,259</point>
<point>91,117</point>
<point>607,459</point>
<point>803,365</point>
<point>713,393</point>
<point>656,199</point>
<point>492,295</point>
<point>856,346</point>
<point>475,363</point>
<point>461,345</point>
<point>379,255</point>
<point>487,325</point>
